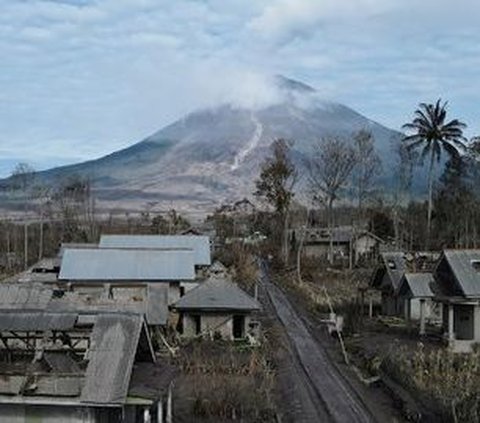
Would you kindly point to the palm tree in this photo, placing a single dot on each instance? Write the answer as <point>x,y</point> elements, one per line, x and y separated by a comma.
<point>431,133</point>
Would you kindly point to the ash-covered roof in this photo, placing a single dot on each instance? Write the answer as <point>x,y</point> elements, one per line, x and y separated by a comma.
<point>217,294</point>
<point>417,285</point>
<point>113,345</point>
<point>198,243</point>
<point>127,265</point>
<point>465,268</point>
<point>395,266</point>
<point>36,321</point>
<point>101,376</point>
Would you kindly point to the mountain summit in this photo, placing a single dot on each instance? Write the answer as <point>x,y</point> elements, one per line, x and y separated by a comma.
<point>213,155</point>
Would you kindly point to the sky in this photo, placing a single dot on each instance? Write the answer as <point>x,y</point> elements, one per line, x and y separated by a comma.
<point>83,78</point>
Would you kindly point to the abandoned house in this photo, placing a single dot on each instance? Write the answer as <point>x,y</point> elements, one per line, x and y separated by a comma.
<point>416,294</point>
<point>87,270</point>
<point>59,367</point>
<point>457,277</point>
<point>348,244</point>
<point>217,307</point>
<point>386,278</point>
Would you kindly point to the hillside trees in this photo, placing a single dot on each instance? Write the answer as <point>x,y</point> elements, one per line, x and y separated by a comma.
<point>430,132</point>
<point>276,183</point>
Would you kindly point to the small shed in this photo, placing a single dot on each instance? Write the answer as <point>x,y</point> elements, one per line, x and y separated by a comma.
<point>416,293</point>
<point>217,307</point>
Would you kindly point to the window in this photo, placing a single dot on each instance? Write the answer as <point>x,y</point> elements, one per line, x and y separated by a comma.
<point>476,265</point>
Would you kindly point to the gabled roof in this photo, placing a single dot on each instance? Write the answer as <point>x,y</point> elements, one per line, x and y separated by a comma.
<point>17,296</point>
<point>393,264</point>
<point>217,294</point>
<point>465,268</point>
<point>198,243</point>
<point>127,265</point>
<point>417,285</point>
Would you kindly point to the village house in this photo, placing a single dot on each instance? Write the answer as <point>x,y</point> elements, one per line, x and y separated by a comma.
<point>349,244</point>
<point>415,292</point>
<point>94,270</point>
<point>386,278</point>
<point>58,367</point>
<point>457,277</point>
<point>217,307</point>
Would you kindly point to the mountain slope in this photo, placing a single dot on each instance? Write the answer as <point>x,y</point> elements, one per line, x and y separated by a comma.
<point>213,155</point>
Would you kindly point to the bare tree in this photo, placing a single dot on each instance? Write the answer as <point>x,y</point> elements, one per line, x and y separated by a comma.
<point>22,179</point>
<point>276,182</point>
<point>329,169</point>
<point>368,167</point>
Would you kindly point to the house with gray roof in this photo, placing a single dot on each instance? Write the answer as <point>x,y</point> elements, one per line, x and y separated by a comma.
<point>349,243</point>
<point>57,367</point>
<point>217,307</point>
<point>386,278</point>
<point>457,288</point>
<point>416,291</point>
<point>93,270</point>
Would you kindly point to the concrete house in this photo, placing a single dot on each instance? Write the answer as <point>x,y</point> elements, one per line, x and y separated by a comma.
<point>96,270</point>
<point>457,277</point>
<point>416,294</point>
<point>217,307</point>
<point>56,367</point>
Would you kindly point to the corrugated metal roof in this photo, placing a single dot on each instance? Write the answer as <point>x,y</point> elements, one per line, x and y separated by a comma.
<point>24,296</point>
<point>114,342</point>
<point>36,321</point>
<point>217,294</point>
<point>465,266</point>
<point>127,265</point>
<point>419,285</point>
<point>198,243</point>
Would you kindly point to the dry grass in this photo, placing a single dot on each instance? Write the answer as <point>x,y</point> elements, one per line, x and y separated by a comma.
<point>225,381</point>
<point>451,381</point>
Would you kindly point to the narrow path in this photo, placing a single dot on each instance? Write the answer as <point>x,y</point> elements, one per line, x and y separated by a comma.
<point>329,390</point>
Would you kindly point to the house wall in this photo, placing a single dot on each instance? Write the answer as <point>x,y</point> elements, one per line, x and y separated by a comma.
<point>321,250</point>
<point>413,306</point>
<point>365,245</point>
<point>221,323</point>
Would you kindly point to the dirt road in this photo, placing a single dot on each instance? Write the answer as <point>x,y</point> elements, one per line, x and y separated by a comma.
<point>325,393</point>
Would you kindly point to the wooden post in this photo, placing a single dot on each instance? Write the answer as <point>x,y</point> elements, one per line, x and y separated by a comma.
<point>422,316</point>
<point>160,411</point>
<point>451,333</point>
<point>169,405</point>
<point>370,306</point>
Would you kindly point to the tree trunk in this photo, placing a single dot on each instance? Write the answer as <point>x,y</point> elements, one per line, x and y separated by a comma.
<point>430,198</point>
<point>330,230</point>
<point>285,239</point>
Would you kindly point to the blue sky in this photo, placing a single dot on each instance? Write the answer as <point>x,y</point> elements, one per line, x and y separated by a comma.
<point>82,78</point>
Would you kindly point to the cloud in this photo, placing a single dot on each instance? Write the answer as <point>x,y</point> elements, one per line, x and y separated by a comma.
<point>84,78</point>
